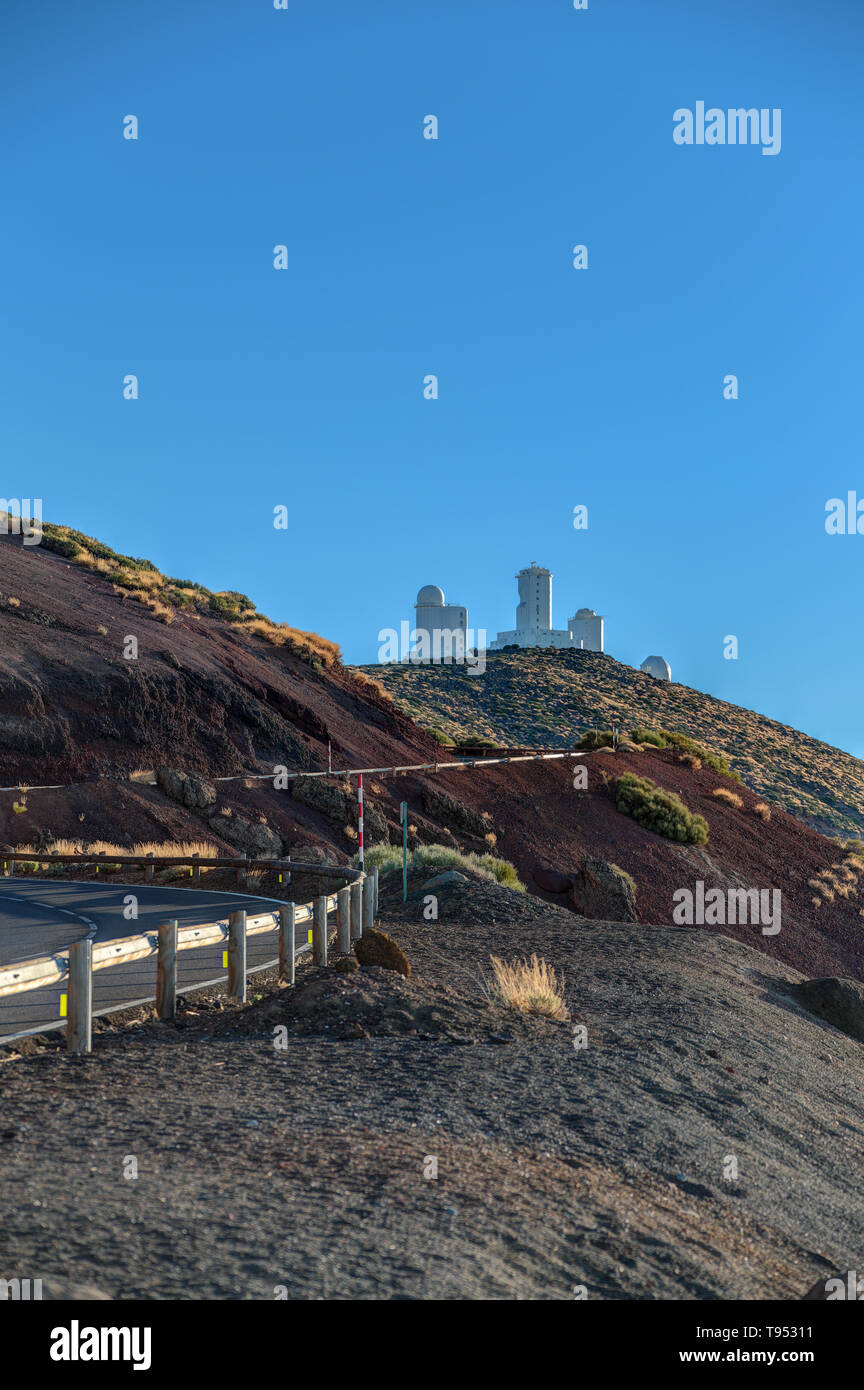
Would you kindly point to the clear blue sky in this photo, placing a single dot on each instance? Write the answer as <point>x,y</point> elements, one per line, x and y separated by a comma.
<point>407,257</point>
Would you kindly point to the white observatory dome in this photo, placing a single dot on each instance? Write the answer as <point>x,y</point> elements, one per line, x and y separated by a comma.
<point>430,596</point>
<point>656,666</point>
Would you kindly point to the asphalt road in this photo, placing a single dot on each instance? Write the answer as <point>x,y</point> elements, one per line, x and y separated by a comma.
<point>43,916</point>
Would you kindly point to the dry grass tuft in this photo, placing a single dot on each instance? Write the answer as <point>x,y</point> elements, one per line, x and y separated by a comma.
<point>92,849</point>
<point>370,683</point>
<point>762,811</point>
<point>532,987</point>
<point>731,798</point>
<point>306,645</point>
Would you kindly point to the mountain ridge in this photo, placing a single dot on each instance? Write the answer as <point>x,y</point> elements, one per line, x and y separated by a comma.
<point>542,697</point>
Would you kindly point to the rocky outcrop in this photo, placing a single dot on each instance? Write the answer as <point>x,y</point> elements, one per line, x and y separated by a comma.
<point>195,792</point>
<point>338,802</point>
<point>838,1001</point>
<point>249,837</point>
<point>604,892</point>
<point>450,878</point>
<point>447,811</point>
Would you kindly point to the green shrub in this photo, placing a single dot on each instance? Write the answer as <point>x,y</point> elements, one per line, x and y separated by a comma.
<point>649,736</point>
<point>715,761</point>
<point>658,810</point>
<point>387,858</point>
<point>597,738</point>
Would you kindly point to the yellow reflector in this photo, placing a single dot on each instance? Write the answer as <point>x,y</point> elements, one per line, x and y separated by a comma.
<point>63,999</point>
<point>309,936</point>
<point>224,960</point>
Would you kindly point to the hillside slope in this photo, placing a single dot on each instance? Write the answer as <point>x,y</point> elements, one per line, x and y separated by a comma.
<point>547,698</point>
<point>208,696</point>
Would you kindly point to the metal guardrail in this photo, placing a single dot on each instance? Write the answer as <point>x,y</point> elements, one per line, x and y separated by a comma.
<point>453,764</point>
<point>355,905</point>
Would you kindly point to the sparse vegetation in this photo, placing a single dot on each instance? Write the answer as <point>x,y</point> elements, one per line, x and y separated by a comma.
<point>527,698</point>
<point>97,849</point>
<point>731,798</point>
<point>140,581</point>
<point>762,811</point>
<point>597,738</point>
<point>388,858</point>
<point>370,683</point>
<point>658,810</point>
<point>444,739</point>
<point>530,986</point>
<point>648,736</point>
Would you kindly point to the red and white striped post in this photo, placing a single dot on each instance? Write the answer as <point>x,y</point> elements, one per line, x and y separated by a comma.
<point>360,818</point>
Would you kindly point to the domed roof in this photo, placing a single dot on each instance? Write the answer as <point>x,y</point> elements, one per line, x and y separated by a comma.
<point>431,596</point>
<point>657,666</point>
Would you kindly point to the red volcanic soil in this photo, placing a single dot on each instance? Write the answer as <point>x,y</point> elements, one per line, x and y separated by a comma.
<point>206,697</point>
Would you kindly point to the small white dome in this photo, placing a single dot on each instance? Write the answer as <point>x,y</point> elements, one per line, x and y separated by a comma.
<point>430,596</point>
<point>658,667</point>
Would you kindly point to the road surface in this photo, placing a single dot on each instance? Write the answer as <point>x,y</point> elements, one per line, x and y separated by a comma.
<point>41,917</point>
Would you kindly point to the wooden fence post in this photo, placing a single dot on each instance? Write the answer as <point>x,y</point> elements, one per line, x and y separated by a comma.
<point>150,869</point>
<point>79,1004</point>
<point>237,956</point>
<point>356,911</point>
<point>368,903</point>
<point>343,908</point>
<point>287,946</point>
<point>197,874</point>
<point>241,873</point>
<point>319,931</point>
<point>166,970</point>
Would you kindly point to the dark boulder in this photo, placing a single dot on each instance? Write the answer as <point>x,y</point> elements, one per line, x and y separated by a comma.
<point>604,893</point>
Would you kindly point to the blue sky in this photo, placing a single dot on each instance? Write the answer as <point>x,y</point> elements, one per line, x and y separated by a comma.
<point>408,256</point>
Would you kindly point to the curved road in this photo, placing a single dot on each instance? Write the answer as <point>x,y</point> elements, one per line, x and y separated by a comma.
<point>40,917</point>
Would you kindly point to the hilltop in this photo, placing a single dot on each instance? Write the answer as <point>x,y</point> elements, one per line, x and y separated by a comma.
<point>545,698</point>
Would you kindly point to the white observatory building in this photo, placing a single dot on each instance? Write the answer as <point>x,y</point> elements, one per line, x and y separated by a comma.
<point>444,626</point>
<point>534,618</point>
<point>657,667</point>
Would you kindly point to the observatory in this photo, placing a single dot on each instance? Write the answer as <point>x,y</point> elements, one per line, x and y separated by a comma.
<point>534,618</point>
<point>657,667</point>
<point>444,626</point>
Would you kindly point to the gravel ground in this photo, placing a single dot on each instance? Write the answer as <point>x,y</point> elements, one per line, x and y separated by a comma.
<point>304,1168</point>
